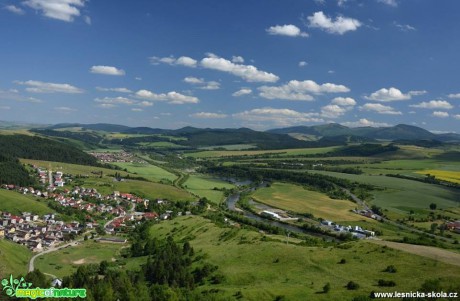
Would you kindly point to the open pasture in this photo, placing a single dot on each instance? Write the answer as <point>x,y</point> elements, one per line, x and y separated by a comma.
<point>297,199</point>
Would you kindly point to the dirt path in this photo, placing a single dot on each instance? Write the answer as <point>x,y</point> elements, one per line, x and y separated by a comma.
<point>430,252</point>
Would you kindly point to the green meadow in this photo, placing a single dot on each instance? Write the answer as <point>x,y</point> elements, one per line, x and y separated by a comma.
<point>282,152</point>
<point>13,258</point>
<point>66,261</point>
<point>295,198</point>
<point>263,267</point>
<point>203,186</point>
<point>148,171</point>
<point>16,203</point>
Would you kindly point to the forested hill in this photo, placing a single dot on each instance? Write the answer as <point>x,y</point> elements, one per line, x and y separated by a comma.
<point>12,172</point>
<point>31,147</point>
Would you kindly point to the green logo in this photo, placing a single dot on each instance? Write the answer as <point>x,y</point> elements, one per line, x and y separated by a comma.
<point>21,289</point>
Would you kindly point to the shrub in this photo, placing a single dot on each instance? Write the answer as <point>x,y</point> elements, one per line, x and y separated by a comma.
<point>352,285</point>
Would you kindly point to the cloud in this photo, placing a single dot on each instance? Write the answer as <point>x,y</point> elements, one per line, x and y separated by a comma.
<point>392,94</point>
<point>65,109</point>
<point>434,104</point>
<point>182,61</point>
<point>207,115</point>
<point>204,85</point>
<point>64,10</point>
<point>137,110</point>
<point>303,64</point>
<point>457,116</point>
<point>333,111</point>
<point>237,59</point>
<point>115,100</point>
<point>404,27</point>
<point>440,114</point>
<point>278,117</point>
<point>106,105</point>
<point>43,87</point>
<point>14,94</point>
<point>246,72</point>
<point>363,122</point>
<point>87,20</point>
<point>286,30</point>
<point>393,3</point>
<point>107,70</point>
<point>242,91</point>
<point>15,9</point>
<point>145,103</point>
<point>457,95</point>
<point>344,101</point>
<point>119,90</point>
<point>171,97</point>
<point>379,108</point>
<point>299,90</point>
<point>339,26</point>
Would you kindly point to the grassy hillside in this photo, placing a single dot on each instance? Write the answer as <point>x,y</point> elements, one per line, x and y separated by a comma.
<point>148,171</point>
<point>264,268</point>
<point>16,203</point>
<point>204,187</point>
<point>13,258</point>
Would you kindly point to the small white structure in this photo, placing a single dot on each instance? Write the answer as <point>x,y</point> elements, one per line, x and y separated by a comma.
<point>270,214</point>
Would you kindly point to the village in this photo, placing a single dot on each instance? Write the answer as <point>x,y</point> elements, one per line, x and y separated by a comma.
<point>103,214</point>
<point>118,157</point>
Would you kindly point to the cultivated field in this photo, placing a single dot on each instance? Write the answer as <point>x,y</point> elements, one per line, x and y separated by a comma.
<point>297,199</point>
<point>148,171</point>
<point>282,152</point>
<point>451,176</point>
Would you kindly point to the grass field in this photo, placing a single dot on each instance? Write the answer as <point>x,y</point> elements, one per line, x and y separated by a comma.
<point>66,261</point>
<point>403,195</point>
<point>262,270</point>
<point>282,152</point>
<point>148,171</point>
<point>297,199</point>
<point>204,187</point>
<point>230,147</point>
<point>451,176</point>
<point>16,203</point>
<point>73,169</point>
<point>13,258</point>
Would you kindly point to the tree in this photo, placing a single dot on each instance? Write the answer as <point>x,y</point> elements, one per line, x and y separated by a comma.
<point>351,285</point>
<point>433,206</point>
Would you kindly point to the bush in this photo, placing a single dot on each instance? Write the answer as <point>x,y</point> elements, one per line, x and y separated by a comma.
<point>342,261</point>
<point>352,285</point>
<point>326,288</point>
<point>390,269</point>
<point>388,283</point>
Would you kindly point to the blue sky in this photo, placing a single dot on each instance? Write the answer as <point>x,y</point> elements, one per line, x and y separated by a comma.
<point>253,63</point>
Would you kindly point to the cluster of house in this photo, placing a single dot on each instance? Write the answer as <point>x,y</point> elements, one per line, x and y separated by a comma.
<point>123,157</point>
<point>454,226</point>
<point>356,231</point>
<point>34,231</point>
<point>367,213</point>
<point>48,177</point>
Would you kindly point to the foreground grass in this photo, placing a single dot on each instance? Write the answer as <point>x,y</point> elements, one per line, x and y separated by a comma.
<point>16,203</point>
<point>66,261</point>
<point>297,199</point>
<point>13,258</point>
<point>262,269</point>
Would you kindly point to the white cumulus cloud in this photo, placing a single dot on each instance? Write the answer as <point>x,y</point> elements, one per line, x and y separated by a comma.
<point>107,70</point>
<point>340,25</point>
<point>43,87</point>
<point>119,90</point>
<point>171,97</point>
<point>434,104</point>
<point>208,115</point>
<point>202,84</point>
<point>278,117</point>
<point>242,91</point>
<point>379,108</point>
<point>64,10</point>
<point>393,3</point>
<point>344,101</point>
<point>440,114</point>
<point>246,72</point>
<point>286,30</point>
<point>333,111</point>
<point>182,61</point>
<point>363,122</point>
<point>300,90</point>
<point>15,9</point>
<point>456,95</point>
<point>392,94</point>
<point>303,64</point>
<point>237,59</point>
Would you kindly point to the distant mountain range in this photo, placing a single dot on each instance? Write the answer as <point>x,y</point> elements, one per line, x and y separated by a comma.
<point>297,136</point>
